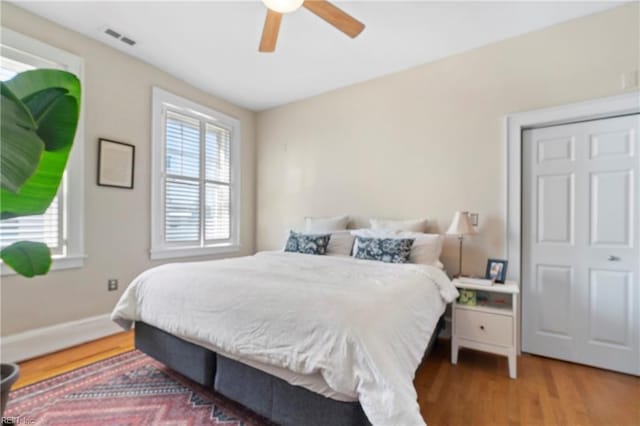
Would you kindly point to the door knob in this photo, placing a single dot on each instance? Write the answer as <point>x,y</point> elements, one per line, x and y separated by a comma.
<point>613,258</point>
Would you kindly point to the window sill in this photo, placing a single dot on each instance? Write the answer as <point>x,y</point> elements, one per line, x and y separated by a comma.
<point>58,263</point>
<point>171,253</point>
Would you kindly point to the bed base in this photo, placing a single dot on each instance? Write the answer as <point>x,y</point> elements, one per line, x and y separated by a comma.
<point>192,361</point>
<point>267,395</point>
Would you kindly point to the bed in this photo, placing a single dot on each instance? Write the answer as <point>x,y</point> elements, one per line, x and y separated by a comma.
<point>334,339</point>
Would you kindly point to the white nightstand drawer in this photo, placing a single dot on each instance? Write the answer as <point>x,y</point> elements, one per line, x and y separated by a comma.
<point>484,327</point>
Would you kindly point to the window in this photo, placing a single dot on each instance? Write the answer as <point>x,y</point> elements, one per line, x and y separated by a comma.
<point>61,226</point>
<point>195,179</point>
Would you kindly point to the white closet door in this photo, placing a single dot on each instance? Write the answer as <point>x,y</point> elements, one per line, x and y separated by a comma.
<point>581,227</point>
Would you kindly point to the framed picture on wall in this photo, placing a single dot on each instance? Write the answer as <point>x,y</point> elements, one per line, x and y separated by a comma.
<point>496,270</point>
<point>115,164</point>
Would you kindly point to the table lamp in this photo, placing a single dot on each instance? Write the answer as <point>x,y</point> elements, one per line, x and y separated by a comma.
<point>461,226</point>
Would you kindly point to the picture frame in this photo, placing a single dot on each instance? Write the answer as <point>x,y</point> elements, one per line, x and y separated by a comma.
<point>116,164</point>
<point>496,270</point>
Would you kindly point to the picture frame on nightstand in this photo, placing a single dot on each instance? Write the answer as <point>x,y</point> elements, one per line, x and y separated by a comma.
<point>496,270</point>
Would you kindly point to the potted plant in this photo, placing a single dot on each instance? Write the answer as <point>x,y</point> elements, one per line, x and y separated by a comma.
<point>40,111</point>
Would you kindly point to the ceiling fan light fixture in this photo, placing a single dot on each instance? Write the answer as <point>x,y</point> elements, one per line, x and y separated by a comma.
<point>283,6</point>
<point>321,8</point>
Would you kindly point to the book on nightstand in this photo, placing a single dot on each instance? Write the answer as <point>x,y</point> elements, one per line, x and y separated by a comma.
<point>476,281</point>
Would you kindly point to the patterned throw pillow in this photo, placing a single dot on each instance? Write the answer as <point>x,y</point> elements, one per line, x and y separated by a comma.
<point>389,250</point>
<point>307,243</point>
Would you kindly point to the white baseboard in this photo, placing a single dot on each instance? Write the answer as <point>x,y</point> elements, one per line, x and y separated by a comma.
<point>40,341</point>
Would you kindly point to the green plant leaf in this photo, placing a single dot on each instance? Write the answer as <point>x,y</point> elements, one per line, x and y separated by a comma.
<point>57,125</point>
<point>21,147</point>
<point>27,258</point>
<point>36,195</point>
<point>28,83</point>
<point>53,99</point>
<point>39,102</point>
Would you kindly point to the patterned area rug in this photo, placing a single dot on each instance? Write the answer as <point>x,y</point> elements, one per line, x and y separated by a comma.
<point>131,389</point>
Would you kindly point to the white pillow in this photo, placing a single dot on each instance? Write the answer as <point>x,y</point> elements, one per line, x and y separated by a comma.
<point>425,250</point>
<point>413,225</point>
<point>325,224</point>
<point>340,243</point>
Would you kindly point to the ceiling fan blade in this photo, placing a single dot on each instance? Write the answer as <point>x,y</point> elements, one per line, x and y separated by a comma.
<point>270,31</point>
<point>335,16</point>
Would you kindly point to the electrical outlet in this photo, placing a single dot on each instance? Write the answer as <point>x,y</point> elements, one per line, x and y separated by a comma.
<point>112,284</point>
<point>475,217</point>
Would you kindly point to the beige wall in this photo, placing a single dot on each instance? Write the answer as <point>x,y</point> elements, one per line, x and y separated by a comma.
<point>424,142</point>
<point>430,140</point>
<point>117,98</point>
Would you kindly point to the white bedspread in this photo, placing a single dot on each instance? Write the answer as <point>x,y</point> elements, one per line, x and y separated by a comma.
<point>362,325</point>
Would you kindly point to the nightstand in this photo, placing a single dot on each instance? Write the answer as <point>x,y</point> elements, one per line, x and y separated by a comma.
<point>491,325</point>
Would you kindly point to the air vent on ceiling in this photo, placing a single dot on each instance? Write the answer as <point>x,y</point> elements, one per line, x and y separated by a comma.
<point>128,41</point>
<point>112,33</point>
<point>115,34</point>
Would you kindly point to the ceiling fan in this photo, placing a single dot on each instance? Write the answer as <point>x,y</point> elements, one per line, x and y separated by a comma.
<point>322,8</point>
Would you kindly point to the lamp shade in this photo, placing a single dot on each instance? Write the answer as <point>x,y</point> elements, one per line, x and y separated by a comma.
<point>461,225</point>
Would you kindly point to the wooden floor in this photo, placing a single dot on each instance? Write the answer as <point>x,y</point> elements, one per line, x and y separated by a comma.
<point>37,369</point>
<point>477,391</point>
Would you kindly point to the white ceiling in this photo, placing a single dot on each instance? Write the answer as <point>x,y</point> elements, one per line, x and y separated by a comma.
<point>213,45</point>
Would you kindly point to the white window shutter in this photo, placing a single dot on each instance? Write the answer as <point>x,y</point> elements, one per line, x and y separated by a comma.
<point>197,193</point>
<point>195,182</point>
<point>45,228</point>
<point>218,176</point>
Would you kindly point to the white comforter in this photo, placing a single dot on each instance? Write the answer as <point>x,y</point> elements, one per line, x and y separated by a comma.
<point>362,325</point>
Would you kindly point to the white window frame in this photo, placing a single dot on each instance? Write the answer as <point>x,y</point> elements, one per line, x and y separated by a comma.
<point>162,102</point>
<point>73,183</point>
